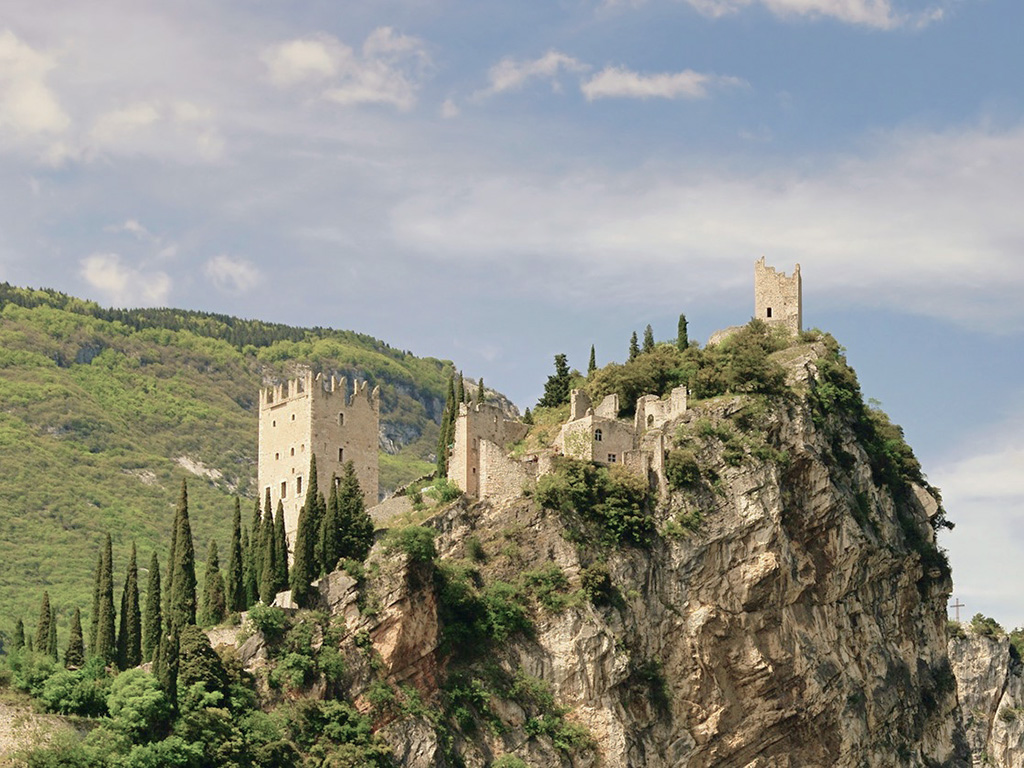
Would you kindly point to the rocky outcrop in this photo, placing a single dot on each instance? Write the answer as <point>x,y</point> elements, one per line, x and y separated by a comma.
<point>991,689</point>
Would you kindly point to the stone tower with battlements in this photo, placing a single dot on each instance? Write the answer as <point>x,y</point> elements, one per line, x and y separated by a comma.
<point>313,414</point>
<point>778,300</point>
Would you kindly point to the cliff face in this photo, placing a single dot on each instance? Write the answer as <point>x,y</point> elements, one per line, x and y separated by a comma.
<point>991,689</point>
<point>788,611</point>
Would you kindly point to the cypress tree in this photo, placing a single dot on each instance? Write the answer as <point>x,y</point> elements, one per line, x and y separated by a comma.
<point>248,574</point>
<point>18,641</point>
<point>166,665</point>
<point>29,644</point>
<point>235,586</point>
<point>74,654</point>
<point>304,567</point>
<point>153,620</point>
<point>214,601</point>
<point>169,581</point>
<point>268,570</point>
<point>254,557</point>
<point>43,625</point>
<point>105,639</point>
<point>129,635</point>
<point>648,338</point>
<point>280,548</point>
<point>51,640</point>
<point>592,365</point>
<point>95,618</point>
<point>556,390</point>
<point>460,390</point>
<point>354,521</point>
<point>446,432</point>
<point>332,529</point>
<point>183,570</point>
<point>634,347</point>
<point>480,392</point>
<point>682,338</point>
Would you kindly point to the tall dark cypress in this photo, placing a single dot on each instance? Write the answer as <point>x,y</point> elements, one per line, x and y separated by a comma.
<point>254,557</point>
<point>129,634</point>
<point>183,570</point>
<point>304,567</point>
<point>332,529</point>
<point>446,432</point>
<point>648,338</point>
<point>460,389</point>
<point>214,602</point>
<point>235,586</point>
<point>95,617</point>
<point>43,625</point>
<point>634,347</point>
<point>152,622</point>
<point>18,641</point>
<point>481,393</point>
<point>105,638</point>
<point>74,654</point>
<point>268,571</point>
<point>592,365</point>
<point>51,641</point>
<point>682,337</point>
<point>353,519</point>
<point>166,664</point>
<point>281,548</point>
<point>252,591</point>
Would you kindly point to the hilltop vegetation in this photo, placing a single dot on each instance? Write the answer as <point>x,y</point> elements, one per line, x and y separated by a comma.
<point>103,412</point>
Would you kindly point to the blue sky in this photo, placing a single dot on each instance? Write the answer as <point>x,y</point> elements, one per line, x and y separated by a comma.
<point>496,182</point>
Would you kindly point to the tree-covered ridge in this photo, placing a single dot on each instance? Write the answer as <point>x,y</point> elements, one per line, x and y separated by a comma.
<point>103,412</point>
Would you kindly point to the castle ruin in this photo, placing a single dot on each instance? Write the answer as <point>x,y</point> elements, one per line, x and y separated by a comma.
<point>778,300</point>
<point>308,415</point>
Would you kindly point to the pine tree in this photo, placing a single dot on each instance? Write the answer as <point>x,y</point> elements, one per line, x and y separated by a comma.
<point>648,338</point>
<point>682,339</point>
<point>214,601</point>
<point>18,641</point>
<point>129,633</point>
<point>183,570</point>
<point>304,567</point>
<point>281,548</point>
<point>43,625</point>
<point>95,618</point>
<point>592,365</point>
<point>51,640</point>
<point>481,394</point>
<point>634,347</point>
<point>235,586</point>
<point>152,620</point>
<point>354,521</point>
<point>106,648</point>
<point>527,417</point>
<point>556,390</point>
<point>74,654</point>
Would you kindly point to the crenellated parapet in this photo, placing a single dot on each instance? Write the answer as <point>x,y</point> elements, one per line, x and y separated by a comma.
<point>778,299</point>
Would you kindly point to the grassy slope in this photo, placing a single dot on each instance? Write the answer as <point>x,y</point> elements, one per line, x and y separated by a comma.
<point>96,407</point>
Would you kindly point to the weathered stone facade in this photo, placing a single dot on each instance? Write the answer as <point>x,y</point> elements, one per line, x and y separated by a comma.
<point>778,299</point>
<point>316,415</point>
<point>468,467</point>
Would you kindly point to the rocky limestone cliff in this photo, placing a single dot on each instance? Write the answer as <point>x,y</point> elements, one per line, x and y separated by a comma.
<point>991,689</point>
<point>788,611</point>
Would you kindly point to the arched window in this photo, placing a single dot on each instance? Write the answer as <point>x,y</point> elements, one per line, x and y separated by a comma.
<point>341,419</point>
<point>650,420</point>
<point>597,435</point>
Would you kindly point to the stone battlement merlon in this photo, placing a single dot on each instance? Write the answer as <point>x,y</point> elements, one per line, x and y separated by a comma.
<point>316,386</point>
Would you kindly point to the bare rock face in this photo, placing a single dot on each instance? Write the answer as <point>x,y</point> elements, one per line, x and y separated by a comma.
<point>991,688</point>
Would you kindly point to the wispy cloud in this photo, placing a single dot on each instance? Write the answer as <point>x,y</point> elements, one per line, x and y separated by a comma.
<point>124,284</point>
<point>28,106</point>
<point>618,82</point>
<point>387,70</point>
<point>511,74</point>
<point>232,275</point>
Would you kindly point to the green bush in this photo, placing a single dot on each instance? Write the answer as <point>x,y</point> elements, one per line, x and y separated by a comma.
<point>682,470</point>
<point>549,585</point>
<point>81,692</point>
<point>415,541</point>
<point>475,550</point>
<point>294,671</point>
<point>596,582</point>
<point>985,626</point>
<point>444,491</point>
<point>509,761</point>
<point>271,621</point>
<point>138,706</point>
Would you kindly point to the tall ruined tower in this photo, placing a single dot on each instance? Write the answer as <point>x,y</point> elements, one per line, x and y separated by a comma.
<point>778,300</point>
<point>315,415</point>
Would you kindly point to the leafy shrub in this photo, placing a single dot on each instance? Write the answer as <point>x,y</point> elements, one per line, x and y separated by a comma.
<point>954,629</point>
<point>293,671</point>
<point>505,613</point>
<point>985,626</point>
<point>475,549</point>
<point>269,620</point>
<point>81,692</point>
<point>509,761</point>
<point>444,491</point>
<point>596,582</point>
<point>138,706</point>
<point>549,585</point>
<point>682,470</point>
<point>741,363</point>
<point>415,541</point>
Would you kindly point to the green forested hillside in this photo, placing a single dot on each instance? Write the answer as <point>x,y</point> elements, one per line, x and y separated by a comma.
<point>102,412</point>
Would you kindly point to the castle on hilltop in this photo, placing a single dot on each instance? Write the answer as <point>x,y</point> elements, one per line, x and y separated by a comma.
<point>313,414</point>
<point>481,465</point>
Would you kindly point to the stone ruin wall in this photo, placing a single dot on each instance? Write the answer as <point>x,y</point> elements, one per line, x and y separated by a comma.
<point>476,424</point>
<point>315,415</point>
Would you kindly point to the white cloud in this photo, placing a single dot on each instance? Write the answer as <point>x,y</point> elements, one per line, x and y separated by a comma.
<point>871,13</point>
<point>28,107</point>
<point>449,109</point>
<point>613,82</point>
<point>510,74</point>
<point>132,227</point>
<point>123,284</point>
<point>232,275</point>
<point>387,70</point>
<point>118,124</point>
<point>922,222</point>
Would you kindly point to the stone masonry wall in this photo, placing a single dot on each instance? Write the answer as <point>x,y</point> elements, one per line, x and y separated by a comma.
<point>778,299</point>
